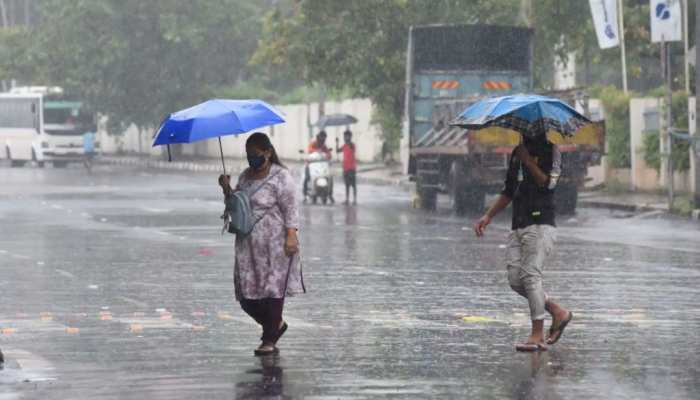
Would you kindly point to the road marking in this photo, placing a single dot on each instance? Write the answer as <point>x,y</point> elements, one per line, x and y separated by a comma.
<point>156,210</point>
<point>65,274</point>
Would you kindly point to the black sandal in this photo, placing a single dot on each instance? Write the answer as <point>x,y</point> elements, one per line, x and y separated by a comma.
<point>260,352</point>
<point>560,329</point>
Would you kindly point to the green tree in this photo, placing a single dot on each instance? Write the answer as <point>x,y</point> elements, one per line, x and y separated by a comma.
<point>136,61</point>
<point>362,46</point>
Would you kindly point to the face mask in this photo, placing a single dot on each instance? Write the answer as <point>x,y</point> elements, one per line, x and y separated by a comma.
<point>256,162</point>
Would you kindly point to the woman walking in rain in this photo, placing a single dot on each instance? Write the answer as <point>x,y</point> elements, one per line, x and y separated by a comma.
<point>267,265</point>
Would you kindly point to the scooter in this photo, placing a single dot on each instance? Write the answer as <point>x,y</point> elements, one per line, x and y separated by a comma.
<point>320,179</point>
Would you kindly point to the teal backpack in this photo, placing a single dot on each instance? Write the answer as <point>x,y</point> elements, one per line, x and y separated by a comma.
<point>238,215</point>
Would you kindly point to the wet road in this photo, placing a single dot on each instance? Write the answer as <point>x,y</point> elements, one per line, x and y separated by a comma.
<point>119,286</point>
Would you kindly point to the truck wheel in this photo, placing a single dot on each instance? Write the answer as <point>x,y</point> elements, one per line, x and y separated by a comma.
<point>39,164</point>
<point>468,201</point>
<point>565,198</point>
<point>428,199</point>
<point>465,196</point>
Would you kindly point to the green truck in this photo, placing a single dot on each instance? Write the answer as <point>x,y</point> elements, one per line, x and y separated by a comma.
<point>448,68</point>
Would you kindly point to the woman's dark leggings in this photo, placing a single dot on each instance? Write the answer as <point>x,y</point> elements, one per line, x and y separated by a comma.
<point>267,313</point>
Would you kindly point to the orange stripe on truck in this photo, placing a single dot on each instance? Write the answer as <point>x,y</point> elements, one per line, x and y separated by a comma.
<point>445,84</point>
<point>497,85</point>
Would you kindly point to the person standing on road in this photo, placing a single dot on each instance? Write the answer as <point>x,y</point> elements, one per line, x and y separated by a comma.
<point>349,165</point>
<point>88,148</point>
<point>534,168</point>
<point>267,263</point>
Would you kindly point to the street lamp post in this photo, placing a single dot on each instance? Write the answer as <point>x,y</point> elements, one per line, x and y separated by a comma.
<point>695,144</point>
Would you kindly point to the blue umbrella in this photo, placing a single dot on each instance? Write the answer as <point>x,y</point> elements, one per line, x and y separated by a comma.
<point>216,118</point>
<point>530,115</point>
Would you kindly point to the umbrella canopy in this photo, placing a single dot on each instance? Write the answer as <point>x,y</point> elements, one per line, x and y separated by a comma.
<point>216,118</point>
<point>336,120</point>
<point>531,115</point>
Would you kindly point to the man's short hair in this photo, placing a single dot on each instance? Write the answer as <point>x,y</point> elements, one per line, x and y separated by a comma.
<point>322,134</point>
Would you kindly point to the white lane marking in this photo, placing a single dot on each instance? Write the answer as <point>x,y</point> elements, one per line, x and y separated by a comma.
<point>154,323</point>
<point>21,256</point>
<point>93,287</point>
<point>156,210</point>
<point>65,274</point>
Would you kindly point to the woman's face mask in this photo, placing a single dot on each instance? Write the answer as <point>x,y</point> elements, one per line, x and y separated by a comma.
<point>256,161</point>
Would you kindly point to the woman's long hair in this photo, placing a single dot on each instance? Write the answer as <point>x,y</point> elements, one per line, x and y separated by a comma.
<point>260,141</point>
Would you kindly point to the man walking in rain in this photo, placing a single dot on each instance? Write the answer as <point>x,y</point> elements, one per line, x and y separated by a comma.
<point>532,176</point>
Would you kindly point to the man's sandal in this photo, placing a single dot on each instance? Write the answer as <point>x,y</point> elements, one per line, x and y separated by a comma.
<point>559,330</point>
<point>530,347</point>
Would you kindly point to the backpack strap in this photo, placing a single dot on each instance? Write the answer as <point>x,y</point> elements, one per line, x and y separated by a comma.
<point>263,183</point>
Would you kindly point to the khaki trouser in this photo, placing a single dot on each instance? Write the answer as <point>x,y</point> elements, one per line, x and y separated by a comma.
<point>528,248</point>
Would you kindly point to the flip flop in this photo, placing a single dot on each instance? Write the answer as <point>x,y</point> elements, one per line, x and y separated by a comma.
<point>560,329</point>
<point>281,332</point>
<point>259,352</point>
<point>530,347</point>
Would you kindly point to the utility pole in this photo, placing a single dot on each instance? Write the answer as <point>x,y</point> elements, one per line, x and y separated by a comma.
<point>623,55</point>
<point>666,140</point>
<point>695,147</point>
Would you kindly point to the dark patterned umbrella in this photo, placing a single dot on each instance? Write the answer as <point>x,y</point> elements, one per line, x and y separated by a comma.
<point>531,115</point>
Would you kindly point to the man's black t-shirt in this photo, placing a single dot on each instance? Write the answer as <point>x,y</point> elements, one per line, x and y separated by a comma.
<point>533,204</point>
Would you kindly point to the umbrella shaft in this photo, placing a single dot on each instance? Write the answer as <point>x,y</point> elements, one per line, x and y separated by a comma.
<point>221,150</point>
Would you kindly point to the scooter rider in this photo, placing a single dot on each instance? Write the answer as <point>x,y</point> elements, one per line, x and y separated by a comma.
<point>317,145</point>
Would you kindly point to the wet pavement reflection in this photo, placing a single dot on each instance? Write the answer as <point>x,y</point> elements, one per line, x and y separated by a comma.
<point>118,285</point>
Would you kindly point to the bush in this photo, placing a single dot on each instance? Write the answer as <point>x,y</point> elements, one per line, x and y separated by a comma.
<point>651,147</point>
<point>617,124</point>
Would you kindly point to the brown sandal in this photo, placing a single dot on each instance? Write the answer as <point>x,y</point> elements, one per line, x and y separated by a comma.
<point>559,329</point>
<point>530,347</point>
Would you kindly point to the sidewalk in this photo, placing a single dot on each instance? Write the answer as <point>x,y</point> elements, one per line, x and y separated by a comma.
<point>368,173</point>
<point>626,201</point>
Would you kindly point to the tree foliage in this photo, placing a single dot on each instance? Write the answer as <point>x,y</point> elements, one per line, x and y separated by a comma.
<point>360,46</point>
<point>136,61</point>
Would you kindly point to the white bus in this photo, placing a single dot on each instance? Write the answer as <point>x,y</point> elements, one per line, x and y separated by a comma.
<point>39,127</point>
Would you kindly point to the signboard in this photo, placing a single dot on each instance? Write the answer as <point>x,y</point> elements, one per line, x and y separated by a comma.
<point>605,20</point>
<point>666,21</point>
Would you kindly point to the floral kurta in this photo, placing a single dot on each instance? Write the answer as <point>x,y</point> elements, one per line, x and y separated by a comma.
<point>262,269</point>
